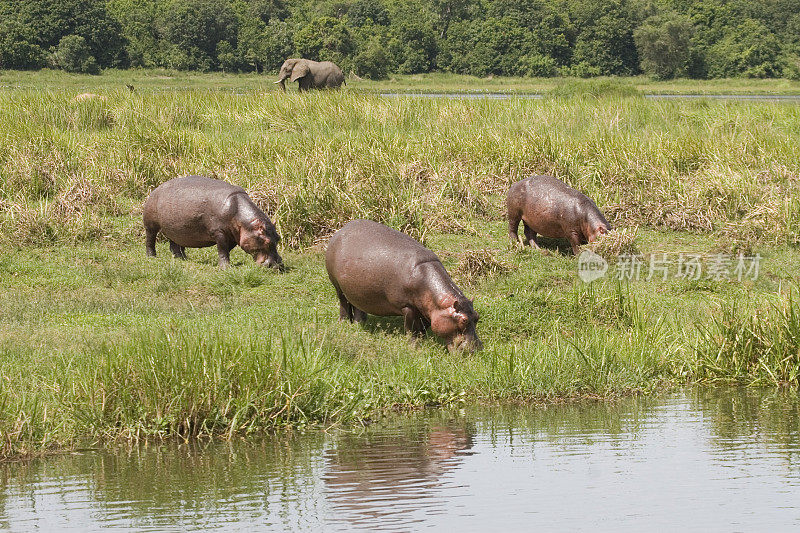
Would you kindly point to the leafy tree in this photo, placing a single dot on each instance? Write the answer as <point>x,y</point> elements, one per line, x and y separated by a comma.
<point>554,34</point>
<point>196,27</point>
<point>791,34</point>
<point>537,65</point>
<point>18,48</point>
<point>55,19</point>
<point>450,10</point>
<point>751,50</point>
<point>324,39</point>
<point>137,20</point>
<point>226,57</point>
<point>663,43</point>
<point>264,46</point>
<point>368,12</point>
<point>665,38</point>
<point>266,10</point>
<point>372,61</point>
<point>412,43</point>
<point>605,40</point>
<point>74,55</point>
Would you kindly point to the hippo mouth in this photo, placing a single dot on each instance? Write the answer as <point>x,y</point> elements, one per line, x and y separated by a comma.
<point>270,261</point>
<point>465,343</point>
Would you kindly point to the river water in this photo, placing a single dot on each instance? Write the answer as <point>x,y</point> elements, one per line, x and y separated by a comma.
<point>697,460</point>
<point>787,98</point>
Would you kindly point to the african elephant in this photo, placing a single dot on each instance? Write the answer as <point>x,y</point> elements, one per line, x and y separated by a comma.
<point>310,74</point>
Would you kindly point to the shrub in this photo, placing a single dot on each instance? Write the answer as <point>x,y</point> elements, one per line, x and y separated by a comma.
<point>73,55</point>
<point>663,43</point>
<point>751,51</point>
<point>18,48</point>
<point>537,65</point>
<point>372,62</point>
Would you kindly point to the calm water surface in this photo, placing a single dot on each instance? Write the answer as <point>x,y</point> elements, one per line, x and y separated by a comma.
<point>698,460</point>
<point>788,98</point>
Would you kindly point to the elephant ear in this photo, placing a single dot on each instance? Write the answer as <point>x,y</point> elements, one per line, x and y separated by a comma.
<point>299,70</point>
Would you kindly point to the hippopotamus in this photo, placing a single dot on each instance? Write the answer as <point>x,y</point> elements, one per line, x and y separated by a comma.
<point>195,212</point>
<point>547,206</point>
<point>378,270</point>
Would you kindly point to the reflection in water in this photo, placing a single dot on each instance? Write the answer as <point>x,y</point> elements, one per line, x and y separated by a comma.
<point>374,478</point>
<point>700,460</point>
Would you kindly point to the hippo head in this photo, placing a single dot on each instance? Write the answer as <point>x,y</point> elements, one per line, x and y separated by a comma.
<point>260,239</point>
<point>455,323</point>
<point>594,227</point>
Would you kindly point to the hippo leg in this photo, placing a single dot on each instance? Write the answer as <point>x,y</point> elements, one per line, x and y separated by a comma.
<point>530,236</point>
<point>348,311</point>
<point>513,227</point>
<point>224,253</point>
<point>414,322</point>
<point>359,316</point>
<point>150,241</point>
<point>177,250</point>
<point>575,241</point>
<point>345,307</point>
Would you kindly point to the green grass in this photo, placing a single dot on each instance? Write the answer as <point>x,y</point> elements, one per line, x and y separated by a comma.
<point>99,342</point>
<point>171,80</point>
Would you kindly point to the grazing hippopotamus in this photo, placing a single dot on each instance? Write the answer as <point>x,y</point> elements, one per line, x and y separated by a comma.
<point>381,271</point>
<point>195,212</point>
<point>546,205</point>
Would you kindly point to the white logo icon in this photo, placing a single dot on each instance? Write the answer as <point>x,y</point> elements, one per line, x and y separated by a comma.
<point>591,266</point>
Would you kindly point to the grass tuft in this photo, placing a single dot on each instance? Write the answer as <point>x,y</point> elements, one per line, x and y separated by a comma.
<point>615,243</point>
<point>759,347</point>
<point>476,264</point>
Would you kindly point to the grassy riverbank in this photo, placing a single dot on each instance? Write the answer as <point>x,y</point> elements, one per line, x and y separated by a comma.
<point>98,341</point>
<point>171,80</point>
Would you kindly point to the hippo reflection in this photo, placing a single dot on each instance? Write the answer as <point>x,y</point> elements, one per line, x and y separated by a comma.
<point>364,471</point>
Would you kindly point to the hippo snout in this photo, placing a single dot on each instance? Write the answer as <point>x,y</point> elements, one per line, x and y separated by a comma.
<point>272,261</point>
<point>465,343</point>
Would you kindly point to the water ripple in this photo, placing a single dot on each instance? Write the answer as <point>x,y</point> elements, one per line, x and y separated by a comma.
<point>693,461</point>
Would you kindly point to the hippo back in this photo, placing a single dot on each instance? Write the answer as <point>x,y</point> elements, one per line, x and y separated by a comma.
<point>375,266</point>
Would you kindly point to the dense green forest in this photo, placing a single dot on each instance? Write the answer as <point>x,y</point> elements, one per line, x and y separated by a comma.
<point>372,38</point>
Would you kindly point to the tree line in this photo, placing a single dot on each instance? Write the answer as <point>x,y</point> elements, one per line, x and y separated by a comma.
<point>372,38</point>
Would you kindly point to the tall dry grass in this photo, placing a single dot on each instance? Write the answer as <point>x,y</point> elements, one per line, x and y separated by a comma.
<point>80,170</point>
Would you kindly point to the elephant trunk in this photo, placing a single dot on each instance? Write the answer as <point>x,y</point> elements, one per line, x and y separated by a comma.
<point>282,83</point>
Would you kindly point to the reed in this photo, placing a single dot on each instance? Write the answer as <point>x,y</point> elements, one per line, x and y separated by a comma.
<point>71,170</point>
